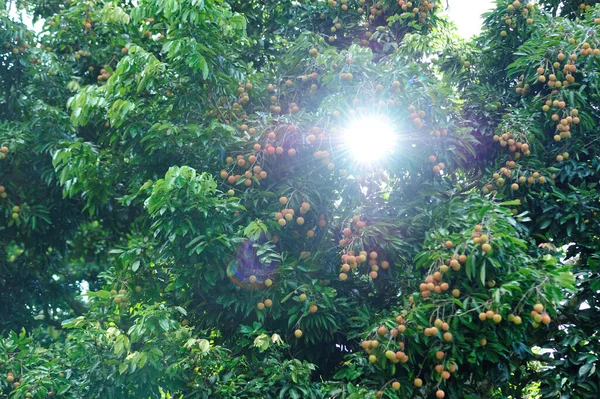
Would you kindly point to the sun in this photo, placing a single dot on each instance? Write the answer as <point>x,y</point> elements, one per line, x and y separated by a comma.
<point>370,138</point>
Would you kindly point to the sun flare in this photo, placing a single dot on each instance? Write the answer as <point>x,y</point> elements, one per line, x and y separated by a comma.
<point>370,138</point>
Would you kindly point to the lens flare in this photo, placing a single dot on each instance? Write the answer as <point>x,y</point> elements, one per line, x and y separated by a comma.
<point>247,270</point>
<point>370,138</point>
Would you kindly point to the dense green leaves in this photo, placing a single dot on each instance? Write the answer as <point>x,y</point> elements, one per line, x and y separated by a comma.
<point>184,216</point>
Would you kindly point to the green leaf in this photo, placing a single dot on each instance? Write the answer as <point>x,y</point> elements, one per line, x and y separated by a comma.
<point>164,324</point>
<point>98,294</point>
<point>585,370</point>
<point>516,202</point>
<point>482,274</point>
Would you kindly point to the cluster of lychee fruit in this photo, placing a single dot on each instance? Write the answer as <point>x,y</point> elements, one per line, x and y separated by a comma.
<point>539,316</point>
<point>537,313</point>
<point>253,280</point>
<point>437,167</point>
<point>287,214</point>
<point>3,152</point>
<point>248,165</point>
<point>81,53</point>
<point>352,261</point>
<point>11,379</point>
<point>382,332</point>
<point>16,210</point>
<point>119,297</point>
<point>434,283</point>
<point>104,74</point>
<point>343,7</point>
<point>267,303</point>
<point>444,368</point>
<point>395,349</point>
<point>525,178</point>
<point>515,11</point>
<point>16,383</point>
<point>421,9</point>
<point>17,48</point>
<point>316,134</point>
<point>490,315</point>
<point>312,308</point>
<point>243,91</point>
<point>481,238</point>
<point>514,142</point>
<point>417,116</point>
<point>564,119</point>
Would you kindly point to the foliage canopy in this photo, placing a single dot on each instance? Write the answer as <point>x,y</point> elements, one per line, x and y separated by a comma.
<point>181,215</point>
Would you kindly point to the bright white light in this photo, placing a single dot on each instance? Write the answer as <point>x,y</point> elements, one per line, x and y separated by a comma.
<point>466,15</point>
<point>370,138</point>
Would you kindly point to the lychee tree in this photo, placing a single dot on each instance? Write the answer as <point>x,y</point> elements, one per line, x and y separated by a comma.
<point>37,276</point>
<point>555,61</point>
<point>318,199</point>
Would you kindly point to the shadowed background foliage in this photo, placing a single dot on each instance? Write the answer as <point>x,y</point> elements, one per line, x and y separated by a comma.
<point>181,215</point>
